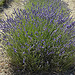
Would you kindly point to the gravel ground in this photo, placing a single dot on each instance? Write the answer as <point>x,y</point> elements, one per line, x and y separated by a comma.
<point>71,6</point>
<point>5,67</point>
<point>14,4</point>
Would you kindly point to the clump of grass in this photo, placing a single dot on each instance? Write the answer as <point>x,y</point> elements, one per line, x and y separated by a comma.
<point>1,2</point>
<point>40,38</point>
<point>4,2</point>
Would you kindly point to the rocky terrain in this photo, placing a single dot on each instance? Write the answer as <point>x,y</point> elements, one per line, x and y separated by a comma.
<point>71,6</point>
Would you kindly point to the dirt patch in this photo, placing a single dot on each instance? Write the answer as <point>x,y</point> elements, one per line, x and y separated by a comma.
<point>13,5</point>
<point>71,6</point>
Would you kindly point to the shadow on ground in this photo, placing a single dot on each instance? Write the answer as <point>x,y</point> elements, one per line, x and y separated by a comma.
<point>5,5</point>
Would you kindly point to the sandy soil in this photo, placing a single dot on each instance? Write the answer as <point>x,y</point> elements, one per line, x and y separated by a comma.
<point>71,5</point>
<point>14,4</point>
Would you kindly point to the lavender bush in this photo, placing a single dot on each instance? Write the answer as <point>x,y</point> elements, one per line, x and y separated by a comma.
<point>40,38</point>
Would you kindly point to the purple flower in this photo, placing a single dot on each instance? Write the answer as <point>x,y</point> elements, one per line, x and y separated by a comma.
<point>48,46</point>
<point>43,28</point>
<point>33,11</point>
<point>42,47</point>
<point>30,37</point>
<point>36,32</point>
<point>60,54</point>
<point>6,15</point>
<point>63,52</point>
<point>18,34</point>
<point>69,26</point>
<point>14,49</point>
<point>8,43</point>
<point>28,49</point>
<point>32,4</point>
<point>54,39</point>
<point>73,23</point>
<point>15,13</point>
<point>54,32</point>
<point>23,60</point>
<point>31,17</point>
<point>36,36</point>
<point>62,49</point>
<point>23,52</point>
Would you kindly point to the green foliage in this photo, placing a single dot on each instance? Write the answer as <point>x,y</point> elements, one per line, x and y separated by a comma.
<point>40,38</point>
<point>2,2</point>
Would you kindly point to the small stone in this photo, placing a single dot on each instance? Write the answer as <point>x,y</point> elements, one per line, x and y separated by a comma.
<point>6,66</point>
<point>2,73</point>
<point>71,74</point>
<point>2,70</point>
<point>6,71</point>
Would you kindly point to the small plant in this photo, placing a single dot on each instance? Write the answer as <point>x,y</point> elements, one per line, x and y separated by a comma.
<point>4,2</point>
<point>40,38</point>
<point>1,2</point>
